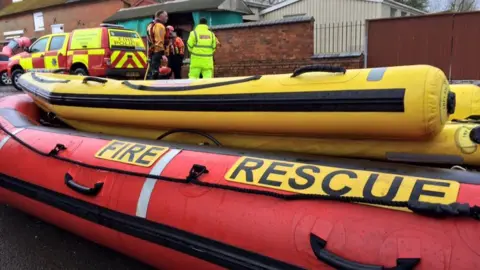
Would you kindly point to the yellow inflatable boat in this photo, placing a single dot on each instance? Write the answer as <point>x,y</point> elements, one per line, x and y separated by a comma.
<point>457,143</point>
<point>467,101</point>
<point>406,102</point>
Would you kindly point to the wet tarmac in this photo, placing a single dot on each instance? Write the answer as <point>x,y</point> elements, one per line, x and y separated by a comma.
<point>28,243</point>
<point>7,90</point>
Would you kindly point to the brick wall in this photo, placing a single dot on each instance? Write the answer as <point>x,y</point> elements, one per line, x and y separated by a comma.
<point>274,47</point>
<point>73,16</point>
<point>4,3</point>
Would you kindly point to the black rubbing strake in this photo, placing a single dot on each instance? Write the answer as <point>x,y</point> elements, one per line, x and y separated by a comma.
<point>375,100</point>
<point>210,250</point>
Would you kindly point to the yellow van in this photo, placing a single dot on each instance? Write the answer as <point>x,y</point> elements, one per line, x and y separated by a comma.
<point>105,51</point>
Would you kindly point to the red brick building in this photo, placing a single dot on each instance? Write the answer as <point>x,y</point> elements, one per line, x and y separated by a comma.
<point>35,18</point>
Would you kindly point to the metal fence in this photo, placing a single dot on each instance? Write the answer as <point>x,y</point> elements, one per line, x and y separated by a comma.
<point>343,37</point>
<point>449,41</point>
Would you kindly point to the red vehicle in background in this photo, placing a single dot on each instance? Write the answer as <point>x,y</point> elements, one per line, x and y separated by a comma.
<point>4,78</point>
<point>9,48</point>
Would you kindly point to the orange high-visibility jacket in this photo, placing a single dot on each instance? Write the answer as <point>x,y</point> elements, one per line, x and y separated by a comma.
<point>176,47</point>
<point>156,36</point>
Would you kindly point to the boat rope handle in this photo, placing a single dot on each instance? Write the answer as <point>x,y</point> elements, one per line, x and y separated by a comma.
<point>200,133</point>
<point>42,80</point>
<point>318,68</point>
<point>472,119</point>
<point>94,79</point>
<point>60,70</point>
<point>318,246</point>
<point>423,208</point>
<point>188,86</point>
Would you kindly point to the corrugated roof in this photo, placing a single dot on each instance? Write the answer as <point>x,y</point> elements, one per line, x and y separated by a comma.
<point>29,5</point>
<point>182,6</point>
<point>33,5</point>
<point>290,2</point>
<point>264,23</point>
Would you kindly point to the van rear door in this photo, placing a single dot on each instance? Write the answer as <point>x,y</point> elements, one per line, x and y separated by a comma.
<point>127,52</point>
<point>56,54</point>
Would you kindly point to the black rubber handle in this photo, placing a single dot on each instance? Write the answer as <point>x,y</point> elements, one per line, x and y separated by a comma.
<point>82,189</point>
<point>94,79</point>
<point>318,68</point>
<point>339,263</point>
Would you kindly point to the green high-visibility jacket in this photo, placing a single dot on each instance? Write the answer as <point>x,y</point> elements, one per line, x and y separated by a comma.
<point>202,44</point>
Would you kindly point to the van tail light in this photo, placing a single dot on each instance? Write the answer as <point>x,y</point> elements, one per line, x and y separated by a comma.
<point>107,62</point>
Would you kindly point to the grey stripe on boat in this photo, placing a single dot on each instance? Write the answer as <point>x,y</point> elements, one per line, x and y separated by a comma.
<point>5,139</point>
<point>149,185</point>
<point>376,74</point>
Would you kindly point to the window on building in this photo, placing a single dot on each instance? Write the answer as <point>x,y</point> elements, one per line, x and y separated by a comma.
<point>38,21</point>
<point>393,12</point>
<point>40,45</point>
<point>57,43</point>
<point>404,13</point>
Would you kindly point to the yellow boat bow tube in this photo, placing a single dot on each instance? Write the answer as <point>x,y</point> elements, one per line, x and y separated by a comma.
<point>404,103</point>
<point>467,101</point>
<point>457,144</point>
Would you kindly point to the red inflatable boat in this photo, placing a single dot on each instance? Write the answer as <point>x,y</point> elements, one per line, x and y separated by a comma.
<point>183,206</point>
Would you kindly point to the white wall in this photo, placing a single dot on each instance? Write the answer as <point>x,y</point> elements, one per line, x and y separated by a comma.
<point>339,24</point>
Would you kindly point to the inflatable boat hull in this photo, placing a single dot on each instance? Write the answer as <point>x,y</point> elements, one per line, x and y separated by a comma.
<point>457,143</point>
<point>177,206</point>
<point>374,103</point>
<point>467,101</point>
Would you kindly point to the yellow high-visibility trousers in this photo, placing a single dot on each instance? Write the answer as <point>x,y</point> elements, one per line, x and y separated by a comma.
<point>195,72</point>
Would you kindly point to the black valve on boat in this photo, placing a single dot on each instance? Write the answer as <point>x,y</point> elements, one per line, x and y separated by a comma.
<point>451,102</point>
<point>475,135</point>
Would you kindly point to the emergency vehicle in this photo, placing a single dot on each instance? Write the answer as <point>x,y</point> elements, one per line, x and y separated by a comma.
<point>105,51</point>
<point>4,79</point>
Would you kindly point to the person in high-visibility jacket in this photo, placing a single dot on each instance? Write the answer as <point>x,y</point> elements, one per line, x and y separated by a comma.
<point>202,44</point>
<point>175,52</point>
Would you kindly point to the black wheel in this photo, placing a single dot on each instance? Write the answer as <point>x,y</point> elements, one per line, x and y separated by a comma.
<point>4,79</point>
<point>15,75</point>
<point>80,72</point>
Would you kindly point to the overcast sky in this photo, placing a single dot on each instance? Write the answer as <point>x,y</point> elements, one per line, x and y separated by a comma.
<point>437,5</point>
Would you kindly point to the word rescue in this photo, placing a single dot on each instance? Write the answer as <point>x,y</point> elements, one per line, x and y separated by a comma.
<point>123,41</point>
<point>323,180</point>
<point>131,153</point>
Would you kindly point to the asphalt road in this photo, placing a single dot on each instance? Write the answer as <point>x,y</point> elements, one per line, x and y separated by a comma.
<point>7,90</point>
<point>28,243</point>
